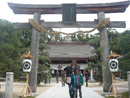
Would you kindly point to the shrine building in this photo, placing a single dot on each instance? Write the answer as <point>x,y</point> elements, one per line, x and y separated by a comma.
<point>63,54</point>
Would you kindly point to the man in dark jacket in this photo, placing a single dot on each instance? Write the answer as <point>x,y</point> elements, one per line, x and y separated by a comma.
<point>70,70</point>
<point>87,75</point>
<point>57,77</point>
<point>63,77</point>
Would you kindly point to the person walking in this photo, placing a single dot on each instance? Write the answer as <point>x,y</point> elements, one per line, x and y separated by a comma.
<point>78,82</point>
<point>49,76</point>
<point>63,77</point>
<point>57,76</point>
<point>70,70</point>
<point>87,75</point>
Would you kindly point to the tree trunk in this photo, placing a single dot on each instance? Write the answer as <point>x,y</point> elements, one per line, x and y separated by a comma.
<point>35,53</point>
<point>107,80</point>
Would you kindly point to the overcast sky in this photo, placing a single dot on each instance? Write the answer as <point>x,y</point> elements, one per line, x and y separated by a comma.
<point>6,12</point>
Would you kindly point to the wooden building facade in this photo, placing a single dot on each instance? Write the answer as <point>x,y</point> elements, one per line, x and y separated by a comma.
<point>64,53</point>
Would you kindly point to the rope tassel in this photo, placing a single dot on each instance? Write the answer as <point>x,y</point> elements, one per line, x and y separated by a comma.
<point>53,38</point>
<point>84,36</point>
<point>69,38</point>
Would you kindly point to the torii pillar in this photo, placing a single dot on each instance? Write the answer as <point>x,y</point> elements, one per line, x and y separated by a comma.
<point>35,53</point>
<point>104,45</point>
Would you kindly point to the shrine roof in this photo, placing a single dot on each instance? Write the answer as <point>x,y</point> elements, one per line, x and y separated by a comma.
<point>78,50</point>
<point>113,7</point>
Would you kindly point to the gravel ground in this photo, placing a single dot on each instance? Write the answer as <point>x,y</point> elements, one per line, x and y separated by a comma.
<point>18,87</point>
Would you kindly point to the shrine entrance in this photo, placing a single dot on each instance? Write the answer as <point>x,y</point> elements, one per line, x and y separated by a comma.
<point>64,54</point>
<point>69,12</point>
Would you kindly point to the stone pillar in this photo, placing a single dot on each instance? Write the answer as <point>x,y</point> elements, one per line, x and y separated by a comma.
<point>107,80</point>
<point>35,53</point>
<point>91,76</point>
<point>9,85</point>
<point>128,74</point>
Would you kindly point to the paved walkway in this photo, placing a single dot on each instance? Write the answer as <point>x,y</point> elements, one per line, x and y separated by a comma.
<point>62,92</point>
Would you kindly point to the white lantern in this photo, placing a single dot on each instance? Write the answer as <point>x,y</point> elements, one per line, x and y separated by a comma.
<point>52,71</point>
<point>27,65</point>
<point>113,65</point>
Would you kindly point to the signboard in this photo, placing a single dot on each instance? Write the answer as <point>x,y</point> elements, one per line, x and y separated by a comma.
<point>27,64</point>
<point>68,13</point>
<point>113,65</point>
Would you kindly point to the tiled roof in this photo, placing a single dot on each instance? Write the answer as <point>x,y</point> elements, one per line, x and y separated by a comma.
<point>70,50</point>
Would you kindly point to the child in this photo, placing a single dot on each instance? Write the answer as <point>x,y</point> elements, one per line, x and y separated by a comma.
<point>78,82</point>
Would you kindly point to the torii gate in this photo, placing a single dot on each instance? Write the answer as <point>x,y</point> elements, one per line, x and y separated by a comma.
<point>99,9</point>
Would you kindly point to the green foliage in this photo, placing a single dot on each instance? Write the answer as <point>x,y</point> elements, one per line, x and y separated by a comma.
<point>44,59</point>
<point>14,43</point>
<point>94,40</point>
<point>125,66</point>
<point>119,43</point>
<point>113,37</point>
<point>124,46</point>
<point>9,50</point>
<point>6,26</point>
<point>124,42</point>
<point>124,95</point>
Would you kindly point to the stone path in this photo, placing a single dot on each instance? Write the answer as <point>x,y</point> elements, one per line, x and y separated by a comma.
<point>58,91</point>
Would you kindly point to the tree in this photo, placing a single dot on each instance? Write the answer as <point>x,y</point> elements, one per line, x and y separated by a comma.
<point>113,37</point>
<point>95,42</point>
<point>14,43</point>
<point>24,36</point>
<point>44,60</point>
<point>9,50</point>
<point>124,46</point>
<point>124,42</point>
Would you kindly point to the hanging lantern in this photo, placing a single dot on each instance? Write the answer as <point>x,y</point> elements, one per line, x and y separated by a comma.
<point>84,36</point>
<point>53,38</point>
<point>69,38</point>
